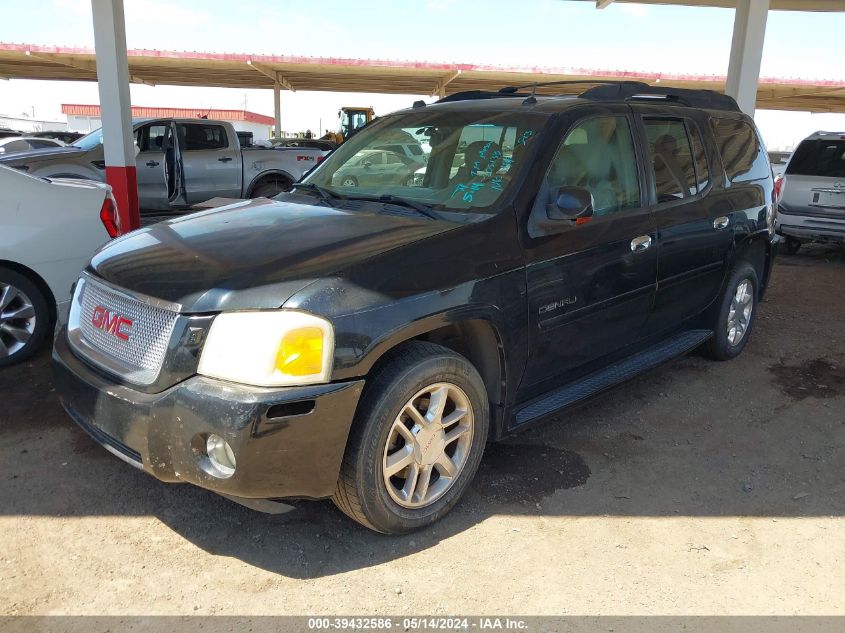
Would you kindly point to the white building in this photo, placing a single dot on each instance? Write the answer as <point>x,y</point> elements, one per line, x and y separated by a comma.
<point>28,124</point>
<point>86,118</point>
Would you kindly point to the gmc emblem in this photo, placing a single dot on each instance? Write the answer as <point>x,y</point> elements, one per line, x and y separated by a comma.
<point>114,324</point>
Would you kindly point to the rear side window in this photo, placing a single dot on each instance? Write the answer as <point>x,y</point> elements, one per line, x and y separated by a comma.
<point>818,158</point>
<point>743,155</point>
<point>598,155</point>
<point>671,159</point>
<point>16,146</point>
<point>198,136</point>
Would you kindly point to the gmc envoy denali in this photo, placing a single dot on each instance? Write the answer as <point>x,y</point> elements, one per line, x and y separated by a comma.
<point>362,340</point>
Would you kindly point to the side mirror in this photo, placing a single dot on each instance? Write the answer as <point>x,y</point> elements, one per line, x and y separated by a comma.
<point>572,203</point>
<point>367,164</point>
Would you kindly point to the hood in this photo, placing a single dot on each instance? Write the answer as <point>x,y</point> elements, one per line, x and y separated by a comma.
<point>253,254</point>
<point>35,155</point>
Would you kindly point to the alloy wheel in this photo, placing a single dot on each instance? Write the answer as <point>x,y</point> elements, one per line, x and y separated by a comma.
<point>17,319</point>
<point>739,313</point>
<point>428,445</point>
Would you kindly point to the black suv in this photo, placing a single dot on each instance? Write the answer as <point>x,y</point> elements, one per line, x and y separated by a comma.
<point>364,343</point>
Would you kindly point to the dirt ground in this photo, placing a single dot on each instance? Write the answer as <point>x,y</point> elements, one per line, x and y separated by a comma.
<point>701,488</point>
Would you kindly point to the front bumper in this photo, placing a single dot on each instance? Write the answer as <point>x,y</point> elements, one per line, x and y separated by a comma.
<point>288,442</point>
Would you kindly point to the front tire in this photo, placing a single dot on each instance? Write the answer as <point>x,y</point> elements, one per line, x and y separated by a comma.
<point>417,440</point>
<point>735,316</point>
<point>24,317</point>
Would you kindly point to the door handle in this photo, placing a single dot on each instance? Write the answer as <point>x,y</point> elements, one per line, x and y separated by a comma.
<point>225,159</point>
<point>152,163</point>
<point>721,222</point>
<point>641,243</point>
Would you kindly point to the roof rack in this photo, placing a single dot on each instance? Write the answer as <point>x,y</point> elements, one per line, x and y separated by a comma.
<point>612,90</point>
<point>637,90</point>
<point>469,95</point>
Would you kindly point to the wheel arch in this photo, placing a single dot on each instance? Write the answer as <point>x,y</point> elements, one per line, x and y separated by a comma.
<point>756,250</point>
<point>266,175</point>
<point>475,337</point>
<point>38,280</point>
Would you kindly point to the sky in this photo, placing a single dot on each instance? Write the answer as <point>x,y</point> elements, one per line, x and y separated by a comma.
<point>552,33</point>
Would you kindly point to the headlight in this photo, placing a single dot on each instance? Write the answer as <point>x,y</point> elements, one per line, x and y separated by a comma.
<point>269,349</point>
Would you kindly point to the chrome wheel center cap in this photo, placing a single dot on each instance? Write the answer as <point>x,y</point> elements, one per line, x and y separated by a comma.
<point>429,446</point>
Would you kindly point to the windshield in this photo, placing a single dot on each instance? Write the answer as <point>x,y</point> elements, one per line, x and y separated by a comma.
<point>454,161</point>
<point>89,141</point>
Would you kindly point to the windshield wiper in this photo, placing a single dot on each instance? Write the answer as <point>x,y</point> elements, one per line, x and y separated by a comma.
<point>419,207</point>
<point>327,195</point>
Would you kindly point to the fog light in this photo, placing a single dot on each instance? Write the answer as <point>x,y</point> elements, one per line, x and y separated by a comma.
<point>220,455</point>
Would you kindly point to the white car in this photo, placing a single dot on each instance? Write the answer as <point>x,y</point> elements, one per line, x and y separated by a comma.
<point>49,229</point>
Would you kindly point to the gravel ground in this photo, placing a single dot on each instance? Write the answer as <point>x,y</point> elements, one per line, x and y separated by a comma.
<point>699,488</point>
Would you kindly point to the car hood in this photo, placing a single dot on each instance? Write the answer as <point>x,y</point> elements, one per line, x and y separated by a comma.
<point>253,254</point>
<point>34,155</point>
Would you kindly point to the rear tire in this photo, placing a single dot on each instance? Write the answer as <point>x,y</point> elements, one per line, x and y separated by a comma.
<point>735,315</point>
<point>401,471</point>
<point>24,317</point>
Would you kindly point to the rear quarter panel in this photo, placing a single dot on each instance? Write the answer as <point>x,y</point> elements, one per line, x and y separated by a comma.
<point>50,228</point>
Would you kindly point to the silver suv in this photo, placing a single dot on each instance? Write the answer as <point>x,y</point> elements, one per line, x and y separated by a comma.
<point>811,192</point>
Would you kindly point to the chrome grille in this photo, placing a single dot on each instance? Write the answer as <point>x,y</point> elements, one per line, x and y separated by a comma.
<point>139,357</point>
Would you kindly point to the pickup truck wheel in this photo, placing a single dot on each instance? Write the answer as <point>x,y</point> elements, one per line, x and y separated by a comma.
<point>735,316</point>
<point>24,317</point>
<point>417,440</point>
<point>271,186</point>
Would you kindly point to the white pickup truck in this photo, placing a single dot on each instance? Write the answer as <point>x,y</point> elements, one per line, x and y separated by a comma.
<point>180,162</point>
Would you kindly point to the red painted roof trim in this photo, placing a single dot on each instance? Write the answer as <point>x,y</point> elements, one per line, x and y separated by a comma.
<point>144,112</point>
<point>396,64</point>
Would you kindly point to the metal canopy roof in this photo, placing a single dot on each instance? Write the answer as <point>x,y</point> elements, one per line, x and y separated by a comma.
<point>775,5</point>
<point>25,61</point>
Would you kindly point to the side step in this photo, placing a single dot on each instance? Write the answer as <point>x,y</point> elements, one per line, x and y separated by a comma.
<point>612,375</point>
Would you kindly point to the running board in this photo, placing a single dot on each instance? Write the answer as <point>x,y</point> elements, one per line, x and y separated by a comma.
<point>612,375</point>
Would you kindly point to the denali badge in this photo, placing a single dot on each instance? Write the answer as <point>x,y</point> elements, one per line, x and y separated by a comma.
<point>557,305</point>
<point>112,323</point>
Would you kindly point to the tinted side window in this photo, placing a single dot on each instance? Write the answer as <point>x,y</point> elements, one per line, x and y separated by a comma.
<point>598,155</point>
<point>16,146</point>
<point>743,156</point>
<point>150,138</point>
<point>199,136</point>
<point>36,144</point>
<point>671,159</point>
<point>818,158</point>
